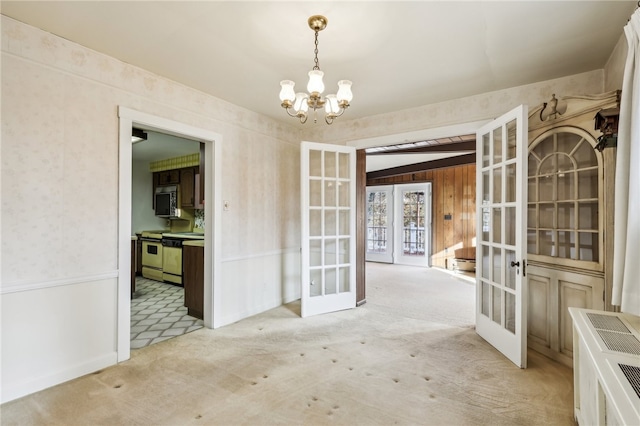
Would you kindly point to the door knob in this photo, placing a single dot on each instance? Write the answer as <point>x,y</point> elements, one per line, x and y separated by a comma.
<point>515,263</point>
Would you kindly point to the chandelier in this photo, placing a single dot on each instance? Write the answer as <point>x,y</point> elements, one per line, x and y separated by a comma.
<point>299,104</point>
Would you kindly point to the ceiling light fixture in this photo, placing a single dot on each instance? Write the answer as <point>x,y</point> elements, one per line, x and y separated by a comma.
<point>138,135</point>
<point>298,104</point>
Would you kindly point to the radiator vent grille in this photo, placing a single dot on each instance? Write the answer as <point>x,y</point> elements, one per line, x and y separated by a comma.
<point>632,374</point>
<point>615,335</point>
<point>607,322</point>
<point>625,343</point>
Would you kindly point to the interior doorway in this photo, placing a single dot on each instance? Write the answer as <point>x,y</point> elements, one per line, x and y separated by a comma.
<point>213,208</point>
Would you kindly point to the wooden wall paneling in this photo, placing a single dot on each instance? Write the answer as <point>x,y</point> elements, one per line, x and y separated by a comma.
<point>449,188</point>
<point>458,210</point>
<point>438,195</point>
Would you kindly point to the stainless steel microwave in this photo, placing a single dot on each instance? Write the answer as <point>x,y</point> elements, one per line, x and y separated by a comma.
<point>167,202</point>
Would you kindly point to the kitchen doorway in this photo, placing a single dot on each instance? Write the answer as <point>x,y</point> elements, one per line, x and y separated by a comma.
<point>129,119</point>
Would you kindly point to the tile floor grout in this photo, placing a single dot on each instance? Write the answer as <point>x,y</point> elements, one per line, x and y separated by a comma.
<point>158,313</point>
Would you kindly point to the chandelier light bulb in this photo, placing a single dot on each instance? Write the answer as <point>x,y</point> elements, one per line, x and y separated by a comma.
<point>286,92</point>
<point>315,82</point>
<point>344,91</point>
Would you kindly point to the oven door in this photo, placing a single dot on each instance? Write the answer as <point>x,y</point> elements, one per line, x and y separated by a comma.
<point>152,254</point>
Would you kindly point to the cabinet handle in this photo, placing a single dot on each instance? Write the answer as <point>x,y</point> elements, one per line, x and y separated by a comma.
<point>515,263</point>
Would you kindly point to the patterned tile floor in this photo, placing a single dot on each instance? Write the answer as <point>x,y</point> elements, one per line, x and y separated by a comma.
<point>157,313</point>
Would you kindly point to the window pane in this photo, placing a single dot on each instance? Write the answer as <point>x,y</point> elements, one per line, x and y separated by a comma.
<point>585,156</point>
<point>497,185</point>
<point>330,252</point>
<point>589,246</point>
<point>548,165</point>
<point>588,215</point>
<point>315,252</point>
<point>545,243</point>
<point>343,254</point>
<point>486,185</point>
<point>531,241</point>
<point>315,163</point>
<point>510,226</point>
<point>497,145</point>
<point>566,186</point>
<point>511,270</point>
<point>564,163</point>
<point>345,281</point>
<point>510,314</point>
<point>486,299</point>
<point>485,150</point>
<point>510,195</point>
<point>497,306</point>
<point>588,184</point>
<point>532,190</point>
<point>330,165</point>
<point>511,139</point>
<point>546,215</point>
<point>315,223</point>
<point>330,193</point>
<point>330,222</point>
<point>567,141</point>
<point>330,281</point>
<point>567,245</point>
<point>486,270</point>
<point>566,216</point>
<point>345,224</point>
<point>343,194</point>
<point>315,193</point>
<point>343,165</point>
<point>497,266</point>
<point>546,188</point>
<point>497,219</point>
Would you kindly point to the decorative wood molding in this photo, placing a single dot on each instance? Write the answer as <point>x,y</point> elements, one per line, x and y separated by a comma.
<point>20,286</point>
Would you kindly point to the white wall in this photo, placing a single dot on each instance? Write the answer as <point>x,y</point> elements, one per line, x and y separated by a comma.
<point>614,69</point>
<point>143,216</point>
<point>60,202</point>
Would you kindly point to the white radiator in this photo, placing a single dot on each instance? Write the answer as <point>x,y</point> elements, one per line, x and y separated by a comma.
<point>606,361</point>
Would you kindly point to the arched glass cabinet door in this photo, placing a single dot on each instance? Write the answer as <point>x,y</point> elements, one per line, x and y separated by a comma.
<point>564,199</point>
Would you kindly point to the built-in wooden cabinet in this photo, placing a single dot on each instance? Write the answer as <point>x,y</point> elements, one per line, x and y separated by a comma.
<point>190,182</point>
<point>169,177</point>
<point>569,220</point>
<point>187,187</point>
<point>193,279</point>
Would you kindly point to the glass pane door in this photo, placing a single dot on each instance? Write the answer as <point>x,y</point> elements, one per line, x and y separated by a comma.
<point>413,224</point>
<point>328,228</point>
<point>502,217</point>
<point>379,224</point>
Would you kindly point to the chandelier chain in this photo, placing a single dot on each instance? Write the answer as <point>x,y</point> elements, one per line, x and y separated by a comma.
<point>317,65</point>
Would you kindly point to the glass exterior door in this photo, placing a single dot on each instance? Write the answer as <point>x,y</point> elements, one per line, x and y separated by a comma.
<point>328,228</point>
<point>380,224</point>
<point>413,224</point>
<point>501,195</point>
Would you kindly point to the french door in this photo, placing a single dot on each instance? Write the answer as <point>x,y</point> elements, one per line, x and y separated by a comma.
<point>379,224</point>
<point>413,224</point>
<point>501,293</point>
<point>328,258</point>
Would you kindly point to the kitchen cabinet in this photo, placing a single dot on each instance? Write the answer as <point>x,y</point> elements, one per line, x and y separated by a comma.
<point>169,177</point>
<point>187,187</point>
<point>193,279</point>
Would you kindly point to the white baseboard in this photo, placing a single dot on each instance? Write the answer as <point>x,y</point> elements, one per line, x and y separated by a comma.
<point>11,391</point>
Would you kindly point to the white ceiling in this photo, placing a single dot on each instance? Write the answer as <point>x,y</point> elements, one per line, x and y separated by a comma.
<point>398,54</point>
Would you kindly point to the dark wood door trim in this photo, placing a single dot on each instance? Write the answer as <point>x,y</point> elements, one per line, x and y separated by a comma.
<point>361,194</point>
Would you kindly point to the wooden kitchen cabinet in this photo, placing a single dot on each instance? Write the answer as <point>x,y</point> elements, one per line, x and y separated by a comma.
<point>193,279</point>
<point>169,177</point>
<point>188,187</point>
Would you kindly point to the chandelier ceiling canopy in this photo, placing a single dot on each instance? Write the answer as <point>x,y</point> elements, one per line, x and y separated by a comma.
<point>299,104</point>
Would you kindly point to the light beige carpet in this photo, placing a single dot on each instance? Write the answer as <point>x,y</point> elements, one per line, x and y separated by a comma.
<point>409,356</point>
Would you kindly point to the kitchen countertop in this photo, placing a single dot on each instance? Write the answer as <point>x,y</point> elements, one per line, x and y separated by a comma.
<point>195,243</point>
<point>185,235</point>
